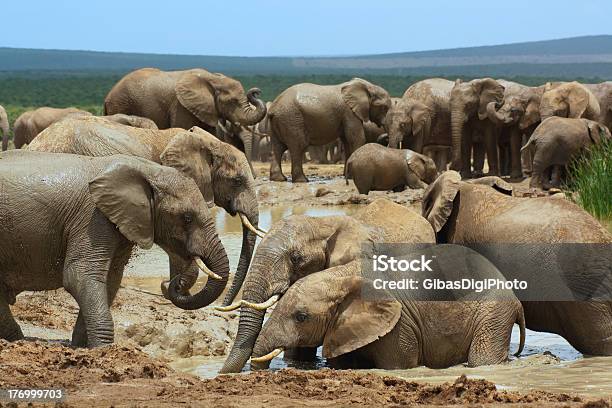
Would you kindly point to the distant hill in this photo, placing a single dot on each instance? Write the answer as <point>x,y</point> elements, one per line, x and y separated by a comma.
<point>589,56</point>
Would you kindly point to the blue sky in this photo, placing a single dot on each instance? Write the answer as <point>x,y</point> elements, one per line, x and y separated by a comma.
<point>289,27</point>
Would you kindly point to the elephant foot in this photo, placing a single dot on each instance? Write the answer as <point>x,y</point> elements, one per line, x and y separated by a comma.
<point>299,179</point>
<point>277,177</point>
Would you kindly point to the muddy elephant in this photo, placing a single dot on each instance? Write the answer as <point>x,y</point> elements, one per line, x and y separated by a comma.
<point>361,324</point>
<point>484,217</point>
<point>183,99</point>
<point>80,230</point>
<point>556,142</point>
<point>422,120</point>
<point>220,171</point>
<point>132,120</point>
<point>4,127</point>
<point>300,245</point>
<point>376,167</point>
<point>603,94</point>
<point>309,114</point>
<point>569,100</point>
<point>29,124</point>
<point>469,132</point>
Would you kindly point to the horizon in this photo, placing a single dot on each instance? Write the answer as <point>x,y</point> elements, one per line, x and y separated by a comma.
<point>343,28</point>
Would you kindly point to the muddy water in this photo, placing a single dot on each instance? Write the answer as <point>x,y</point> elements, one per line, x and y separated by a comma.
<point>548,361</point>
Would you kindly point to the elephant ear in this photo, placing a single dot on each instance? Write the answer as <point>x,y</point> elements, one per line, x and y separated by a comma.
<point>125,196</point>
<point>358,322</point>
<point>356,96</point>
<point>597,131</point>
<point>578,100</point>
<point>495,182</point>
<point>189,153</point>
<point>416,163</point>
<point>439,197</point>
<point>197,95</point>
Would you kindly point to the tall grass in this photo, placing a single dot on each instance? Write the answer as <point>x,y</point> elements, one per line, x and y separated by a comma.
<point>590,180</point>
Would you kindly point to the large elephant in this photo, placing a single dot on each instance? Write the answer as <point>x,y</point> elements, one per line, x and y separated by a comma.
<point>422,119</point>
<point>183,99</point>
<point>603,94</point>
<point>376,167</point>
<point>470,127</point>
<point>556,142</point>
<point>79,231</point>
<point>30,123</point>
<point>569,100</point>
<point>299,245</point>
<point>483,217</point>
<point>4,127</point>
<point>361,325</point>
<point>219,169</point>
<point>515,120</point>
<point>309,114</point>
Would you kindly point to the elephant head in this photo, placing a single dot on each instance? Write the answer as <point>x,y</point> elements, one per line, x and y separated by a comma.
<point>154,204</point>
<point>569,100</point>
<point>368,102</point>
<point>423,166</point>
<point>598,132</point>
<point>467,100</point>
<point>409,118</point>
<point>223,176</point>
<point>326,308</point>
<point>212,96</point>
<point>522,108</point>
<point>296,246</point>
<point>4,126</point>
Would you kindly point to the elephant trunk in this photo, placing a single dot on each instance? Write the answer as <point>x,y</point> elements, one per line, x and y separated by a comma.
<point>216,259</point>
<point>495,116</point>
<point>248,246</point>
<point>457,122</point>
<point>395,136</point>
<point>248,115</point>
<point>249,326</point>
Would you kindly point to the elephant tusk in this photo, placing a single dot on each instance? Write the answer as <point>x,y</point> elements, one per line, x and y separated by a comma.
<point>268,356</point>
<point>202,266</point>
<point>250,227</point>
<point>228,308</point>
<point>261,306</point>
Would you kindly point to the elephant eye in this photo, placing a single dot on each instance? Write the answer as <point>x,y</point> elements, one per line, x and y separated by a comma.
<point>296,258</point>
<point>301,317</point>
<point>188,218</point>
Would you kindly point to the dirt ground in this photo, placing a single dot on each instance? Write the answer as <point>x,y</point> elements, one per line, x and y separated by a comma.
<point>150,332</point>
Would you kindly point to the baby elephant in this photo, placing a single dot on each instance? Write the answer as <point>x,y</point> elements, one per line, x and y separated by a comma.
<point>376,167</point>
<point>555,142</point>
<point>362,325</point>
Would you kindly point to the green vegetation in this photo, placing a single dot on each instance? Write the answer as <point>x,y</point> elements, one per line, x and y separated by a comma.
<point>589,181</point>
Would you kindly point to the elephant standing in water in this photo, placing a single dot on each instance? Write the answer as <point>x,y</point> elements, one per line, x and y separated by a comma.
<point>4,127</point>
<point>29,124</point>
<point>485,216</point>
<point>309,114</point>
<point>471,131</point>
<point>220,171</point>
<point>300,245</point>
<point>422,119</point>
<point>183,99</point>
<point>79,231</point>
<point>361,325</point>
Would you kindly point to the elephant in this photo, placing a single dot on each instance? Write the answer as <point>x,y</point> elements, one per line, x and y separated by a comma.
<point>470,128</point>
<point>30,123</point>
<point>132,120</point>
<point>220,171</point>
<point>559,140</point>
<point>79,231</point>
<point>4,126</point>
<point>300,245</point>
<point>603,94</point>
<point>569,100</point>
<point>483,217</point>
<point>376,167</point>
<point>313,115</point>
<point>184,99</point>
<point>515,120</point>
<point>361,325</point>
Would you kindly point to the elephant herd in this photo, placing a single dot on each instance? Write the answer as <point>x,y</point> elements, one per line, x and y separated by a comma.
<point>171,145</point>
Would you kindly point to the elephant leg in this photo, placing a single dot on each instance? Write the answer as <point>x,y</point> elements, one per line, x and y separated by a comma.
<point>479,158</point>
<point>526,157</point>
<point>9,329</point>
<point>276,171</point>
<point>556,175</point>
<point>466,155</point>
<point>515,154</point>
<point>492,335</point>
<point>492,152</point>
<point>297,169</point>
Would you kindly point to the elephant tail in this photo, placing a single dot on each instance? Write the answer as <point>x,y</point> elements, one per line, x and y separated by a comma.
<point>529,143</point>
<point>520,320</point>
<point>347,172</point>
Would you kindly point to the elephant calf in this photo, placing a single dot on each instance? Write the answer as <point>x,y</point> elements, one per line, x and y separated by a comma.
<point>362,327</point>
<point>555,142</point>
<point>376,167</point>
<point>71,221</point>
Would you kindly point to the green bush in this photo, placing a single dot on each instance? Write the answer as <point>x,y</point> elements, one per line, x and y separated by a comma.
<point>589,181</point>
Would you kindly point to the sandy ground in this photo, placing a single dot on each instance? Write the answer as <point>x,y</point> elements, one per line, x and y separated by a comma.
<point>150,333</point>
